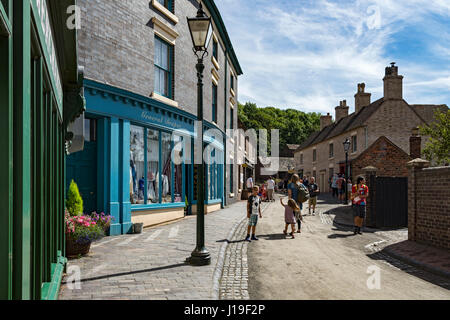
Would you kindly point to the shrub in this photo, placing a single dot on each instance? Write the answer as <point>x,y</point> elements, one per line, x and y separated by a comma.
<point>74,203</point>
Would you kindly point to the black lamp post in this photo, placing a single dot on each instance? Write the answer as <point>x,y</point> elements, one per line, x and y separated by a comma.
<point>200,28</point>
<point>346,148</point>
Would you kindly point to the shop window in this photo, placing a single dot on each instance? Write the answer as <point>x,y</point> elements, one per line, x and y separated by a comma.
<point>153,184</point>
<point>155,179</point>
<point>214,171</point>
<point>214,103</point>
<point>137,166</point>
<point>167,167</point>
<point>163,68</point>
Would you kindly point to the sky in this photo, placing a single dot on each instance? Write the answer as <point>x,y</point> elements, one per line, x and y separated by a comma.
<point>311,54</point>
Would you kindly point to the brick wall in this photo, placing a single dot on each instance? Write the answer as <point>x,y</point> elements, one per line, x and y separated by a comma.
<point>429,204</point>
<point>389,160</point>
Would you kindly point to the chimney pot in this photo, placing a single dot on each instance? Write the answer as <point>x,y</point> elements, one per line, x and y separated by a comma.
<point>362,98</point>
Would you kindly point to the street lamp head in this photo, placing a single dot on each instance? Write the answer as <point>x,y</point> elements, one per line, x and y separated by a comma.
<point>200,28</point>
<point>346,145</point>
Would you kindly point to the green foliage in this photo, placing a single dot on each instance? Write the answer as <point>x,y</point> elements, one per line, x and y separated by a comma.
<point>294,125</point>
<point>437,148</point>
<point>74,203</point>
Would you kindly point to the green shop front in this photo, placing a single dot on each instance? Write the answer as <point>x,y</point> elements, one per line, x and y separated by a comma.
<point>39,95</point>
<point>138,159</point>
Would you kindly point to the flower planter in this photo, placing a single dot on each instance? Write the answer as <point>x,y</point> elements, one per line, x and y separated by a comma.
<point>74,249</point>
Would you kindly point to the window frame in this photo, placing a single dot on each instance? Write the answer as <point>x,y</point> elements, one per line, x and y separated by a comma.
<point>169,71</point>
<point>160,203</point>
<point>354,143</point>
<point>214,102</point>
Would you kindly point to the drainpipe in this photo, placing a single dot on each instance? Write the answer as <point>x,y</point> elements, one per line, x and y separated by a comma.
<point>225,166</point>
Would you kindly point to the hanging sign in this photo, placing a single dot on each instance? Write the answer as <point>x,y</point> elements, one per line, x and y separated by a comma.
<point>46,39</point>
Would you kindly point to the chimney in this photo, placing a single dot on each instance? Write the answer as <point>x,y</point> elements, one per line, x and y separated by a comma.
<point>342,110</point>
<point>393,83</point>
<point>325,121</point>
<point>362,99</point>
<point>415,142</point>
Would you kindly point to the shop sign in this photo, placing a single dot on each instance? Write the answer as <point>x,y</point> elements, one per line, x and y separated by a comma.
<point>165,121</point>
<point>42,19</point>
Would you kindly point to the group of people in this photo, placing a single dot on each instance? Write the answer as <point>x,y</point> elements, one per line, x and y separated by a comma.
<point>337,186</point>
<point>299,192</point>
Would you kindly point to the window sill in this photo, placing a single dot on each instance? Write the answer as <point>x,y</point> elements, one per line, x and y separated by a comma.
<point>165,11</point>
<point>163,99</point>
<point>231,195</point>
<point>232,92</point>
<point>332,158</point>
<point>215,63</point>
<point>156,206</point>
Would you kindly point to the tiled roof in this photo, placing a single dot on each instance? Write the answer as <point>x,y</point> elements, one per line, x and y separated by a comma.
<point>426,111</point>
<point>350,122</point>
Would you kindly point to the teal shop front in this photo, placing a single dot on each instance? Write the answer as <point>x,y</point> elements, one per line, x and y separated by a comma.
<point>126,168</point>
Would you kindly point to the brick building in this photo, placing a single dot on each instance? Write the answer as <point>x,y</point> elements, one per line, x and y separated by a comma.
<point>141,90</point>
<point>322,154</point>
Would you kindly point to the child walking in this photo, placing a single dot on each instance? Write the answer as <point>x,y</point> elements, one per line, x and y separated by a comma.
<point>253,210</point>
<point>289,215</point>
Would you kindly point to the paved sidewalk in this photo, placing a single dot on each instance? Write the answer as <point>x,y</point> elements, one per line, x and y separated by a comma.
<point>152,265</point>
<point>423,256</point>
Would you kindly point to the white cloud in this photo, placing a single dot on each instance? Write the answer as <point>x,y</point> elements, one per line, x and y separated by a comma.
<point>311,54</point>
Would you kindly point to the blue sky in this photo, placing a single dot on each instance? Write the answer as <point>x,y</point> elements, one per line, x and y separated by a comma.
<point>311,54</point>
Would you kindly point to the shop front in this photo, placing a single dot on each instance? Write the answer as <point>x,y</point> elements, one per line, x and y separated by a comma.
<point>39,95</point>
<point>138,160</point>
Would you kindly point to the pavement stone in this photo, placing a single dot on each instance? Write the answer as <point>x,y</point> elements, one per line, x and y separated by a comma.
<point>130,267</point>
<point>234,278</point>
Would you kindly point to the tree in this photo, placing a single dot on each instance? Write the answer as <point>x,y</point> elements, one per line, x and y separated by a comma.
<point>74,203</point>
<point>294,125</point>
<point>437,148</point>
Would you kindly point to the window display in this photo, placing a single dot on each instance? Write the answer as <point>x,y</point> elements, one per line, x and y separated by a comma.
<point>153,166</point>
<point>154,178</point>
<point>137,165</point>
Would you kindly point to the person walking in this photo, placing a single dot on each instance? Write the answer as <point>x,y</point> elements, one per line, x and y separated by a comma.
<point>270,189</point>
<point>253,211</point>
<point>293,191</point>
<point>360,192</point>
<point>334,186</point>
<point>289,215</point>
<point>250,184</point>
<point>313,193</point>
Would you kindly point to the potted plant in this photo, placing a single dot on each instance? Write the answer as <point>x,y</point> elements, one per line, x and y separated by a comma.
<point>80,232</point>
<point>103,221</point>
